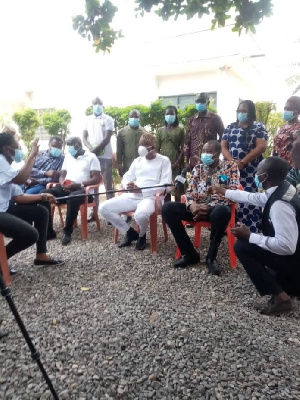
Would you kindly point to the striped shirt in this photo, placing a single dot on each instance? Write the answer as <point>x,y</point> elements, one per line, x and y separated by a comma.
<point>45,162</point>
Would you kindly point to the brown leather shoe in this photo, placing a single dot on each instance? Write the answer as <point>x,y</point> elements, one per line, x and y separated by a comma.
<point>272,308</point>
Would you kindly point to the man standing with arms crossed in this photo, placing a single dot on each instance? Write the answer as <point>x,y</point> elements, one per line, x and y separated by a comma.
<point>96,137</point>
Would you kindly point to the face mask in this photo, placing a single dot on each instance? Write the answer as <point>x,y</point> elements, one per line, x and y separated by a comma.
<point>287,115</point>
<point>98,109</point>
<point>72,151</point>
<point>55,152</point>
<point>257,181</point>
<point>242,117</point>
<point>207,158</point>
<point>18,156</point>
<point>134,122</point>
<point>200,107</point>
<point>170,119</point>
<point>142,150</point>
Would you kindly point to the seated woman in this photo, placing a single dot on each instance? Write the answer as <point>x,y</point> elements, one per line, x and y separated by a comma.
<point>22,206</point>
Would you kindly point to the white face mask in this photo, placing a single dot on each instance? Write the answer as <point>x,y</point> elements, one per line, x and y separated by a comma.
<point>142,150</point>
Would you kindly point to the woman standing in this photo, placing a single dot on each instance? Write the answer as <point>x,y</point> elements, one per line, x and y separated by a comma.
<point>169,142</point>
<point>245,141</point>
<point>283,141</point>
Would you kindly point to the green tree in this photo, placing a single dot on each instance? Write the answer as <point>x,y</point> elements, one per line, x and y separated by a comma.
<point>95,25</point>
<point>263,110</point>
<point>57,122</point>
<point>28,122</point>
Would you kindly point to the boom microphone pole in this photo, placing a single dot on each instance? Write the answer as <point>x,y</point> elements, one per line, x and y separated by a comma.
<point>165,185</point>
<point>6,293</point>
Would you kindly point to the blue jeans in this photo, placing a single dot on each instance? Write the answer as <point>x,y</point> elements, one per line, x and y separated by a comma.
<point>35,189</point>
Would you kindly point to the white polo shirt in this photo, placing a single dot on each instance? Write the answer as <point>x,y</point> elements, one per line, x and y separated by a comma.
<point>7,189</point>
<point>96,127</point>
<point>78,169</point>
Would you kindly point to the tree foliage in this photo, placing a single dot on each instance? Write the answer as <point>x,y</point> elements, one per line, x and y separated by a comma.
<point>28,122</point>
<point>95,25</point>
<point>57,122</point>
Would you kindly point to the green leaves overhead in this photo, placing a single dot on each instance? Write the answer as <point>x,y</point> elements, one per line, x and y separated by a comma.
<point>95,24</point>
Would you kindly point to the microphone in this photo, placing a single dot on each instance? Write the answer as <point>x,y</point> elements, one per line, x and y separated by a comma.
<point>208,183</point>
<point>180,181</point>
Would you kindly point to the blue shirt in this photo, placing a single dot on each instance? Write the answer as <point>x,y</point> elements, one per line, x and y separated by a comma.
<point>45,162</point>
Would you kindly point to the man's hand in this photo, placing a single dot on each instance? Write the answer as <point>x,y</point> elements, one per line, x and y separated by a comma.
<point>132,185</point>
<point>241,232</point>
<point>31,182</point>
<point>121,171</point>
<point>35,148</point>
<point>49,197</point>
<point>52,174</point>
<point>216,190</point>
<point>173,166</point>
<point>200,211</point>
<point>71,186</point>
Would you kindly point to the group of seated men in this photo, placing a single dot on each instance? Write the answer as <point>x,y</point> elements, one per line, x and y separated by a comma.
<point>271,259</point>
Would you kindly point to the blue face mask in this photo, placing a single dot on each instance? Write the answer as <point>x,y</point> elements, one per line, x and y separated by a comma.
<point>201,107</point>
<point>207,158</point>
<point>257,181</point>
<point>242,117</point>
<point>72,151</point>
<point>170,119</point>
<point>18,156</point>
<point>55,152</point>
<point>287,115</point>
<point>134,122</point>
<point>98,109</point>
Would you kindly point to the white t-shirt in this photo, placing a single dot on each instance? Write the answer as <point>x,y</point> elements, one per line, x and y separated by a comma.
<point>7,189</point>
<point>145,172</point>
<point>78,169</point>
<point>96,127</point>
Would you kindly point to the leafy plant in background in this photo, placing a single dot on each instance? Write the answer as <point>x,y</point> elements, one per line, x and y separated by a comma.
<point>95,25</point>
<point>57,122</point>
<point>28,122</point>
<point>266,113</point>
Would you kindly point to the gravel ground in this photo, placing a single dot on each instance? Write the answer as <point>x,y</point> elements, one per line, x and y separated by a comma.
<point>143,330</point>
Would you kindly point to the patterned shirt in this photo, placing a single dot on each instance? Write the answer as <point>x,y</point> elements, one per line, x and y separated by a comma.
<point>202,176</point>
<point>293,177</point>
<point>283,141</point>
<point>200,130</point>
<point>45,162</point>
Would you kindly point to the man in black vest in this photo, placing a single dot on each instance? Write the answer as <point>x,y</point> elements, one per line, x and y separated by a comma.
<point>271,259</point>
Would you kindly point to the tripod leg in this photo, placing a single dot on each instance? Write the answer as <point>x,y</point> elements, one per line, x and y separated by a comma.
<point>5,291</point>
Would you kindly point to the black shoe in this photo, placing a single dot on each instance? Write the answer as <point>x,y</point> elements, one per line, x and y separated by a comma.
<point>66,239</point>
<point>131,235</point>
<point>13,271</point>
<point>52,262</point>
<point>51,235</point>
<point>187,260</point>
<point>141,243</point>
<point>3,334</point>
<point>213,267</point>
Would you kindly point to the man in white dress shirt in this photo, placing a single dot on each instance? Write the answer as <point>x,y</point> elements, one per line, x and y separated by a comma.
<point>97,138</point>
<point>271,259</point>
<point>150,169</point>
<point>79,170</point>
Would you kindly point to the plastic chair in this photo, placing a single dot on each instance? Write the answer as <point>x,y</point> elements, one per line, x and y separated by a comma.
<point>206,224</point>
<point>152,224</point>
<point>83,210</point>
<point>3,262</point>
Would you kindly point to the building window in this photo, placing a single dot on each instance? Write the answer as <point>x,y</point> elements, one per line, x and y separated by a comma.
<point>182,100</point>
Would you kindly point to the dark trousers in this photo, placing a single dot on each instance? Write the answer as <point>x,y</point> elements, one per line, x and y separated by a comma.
<point>16,224</point>
<point>173,213</point>
<point>282,274</point>
<point>73,205</point>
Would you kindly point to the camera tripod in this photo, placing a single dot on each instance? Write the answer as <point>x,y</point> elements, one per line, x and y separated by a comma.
<point>6,293</point>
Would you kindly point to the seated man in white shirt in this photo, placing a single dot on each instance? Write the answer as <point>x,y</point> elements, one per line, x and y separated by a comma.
<point>272,260</point>
<point>80,169</point>
<point>150,169</point>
